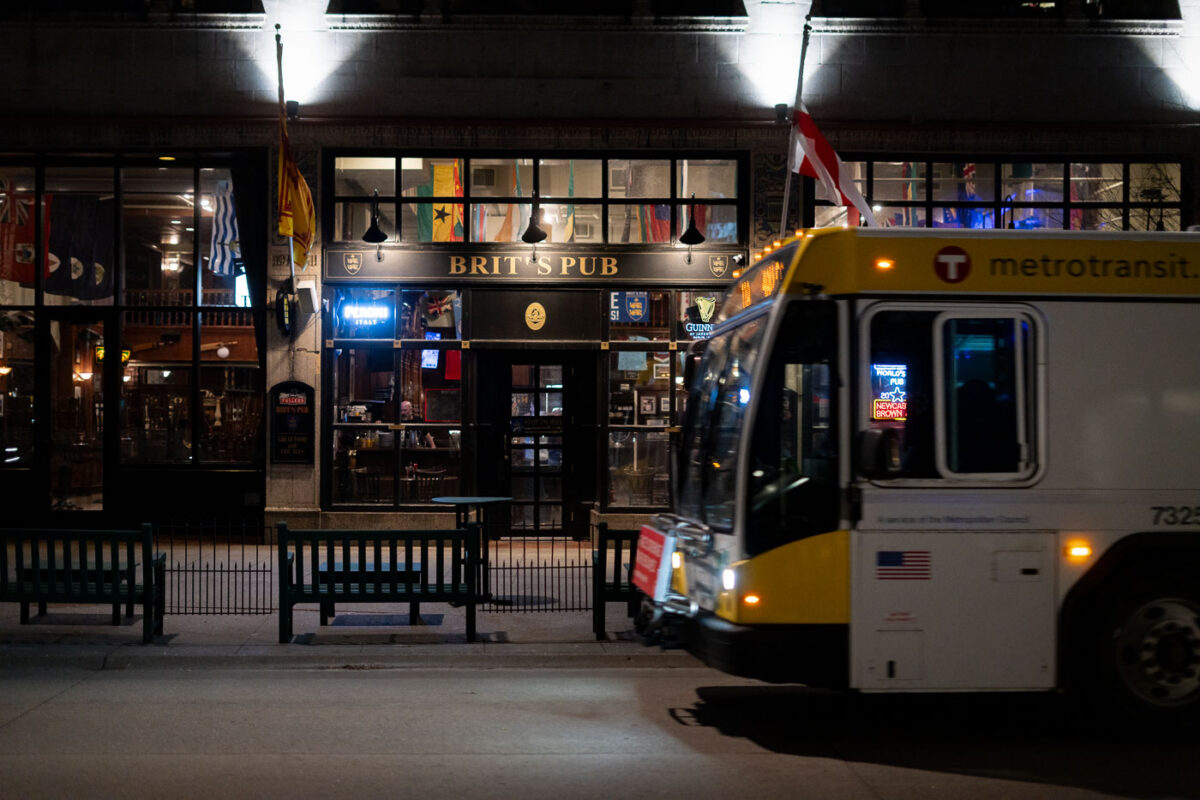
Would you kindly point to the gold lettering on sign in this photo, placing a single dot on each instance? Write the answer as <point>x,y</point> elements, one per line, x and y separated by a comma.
<point>543,266</point>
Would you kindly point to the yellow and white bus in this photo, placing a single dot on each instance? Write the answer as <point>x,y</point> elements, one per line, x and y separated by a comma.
<point>948,461</point>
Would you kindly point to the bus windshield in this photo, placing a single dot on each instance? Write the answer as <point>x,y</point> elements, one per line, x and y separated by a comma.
<point>720,397</point>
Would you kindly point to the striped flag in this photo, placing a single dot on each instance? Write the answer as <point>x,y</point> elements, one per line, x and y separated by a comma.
<point>812,155</point>
<point>224,248</point>
<point>903,565</point>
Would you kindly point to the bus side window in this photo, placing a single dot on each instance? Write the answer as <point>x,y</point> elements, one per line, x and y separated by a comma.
<point>983,388</point>
<point>901,386</point>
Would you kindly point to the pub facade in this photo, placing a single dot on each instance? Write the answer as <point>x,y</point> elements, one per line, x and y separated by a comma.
<point>524,218</point>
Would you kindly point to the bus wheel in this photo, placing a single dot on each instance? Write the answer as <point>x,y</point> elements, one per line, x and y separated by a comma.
<point>1150,652</point>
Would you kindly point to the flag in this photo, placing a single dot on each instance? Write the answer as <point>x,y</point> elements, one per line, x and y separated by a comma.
<point>17,234</point>
<point>813,156</point>
<point>296,213</point>
<point>660,222</point>
<point>912,216</point>
<point>903,565</point>
<point>224,247</point>
<point>510,228</point>
<point>297,216</point>
<point>98,282</point>
<point>446,225</point>
<point>458,231</point>
<point>569,230</point>
<point>72,230</point>
<point>479,223</point>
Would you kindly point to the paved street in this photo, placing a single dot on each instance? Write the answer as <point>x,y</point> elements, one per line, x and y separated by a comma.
<point>511,731</point>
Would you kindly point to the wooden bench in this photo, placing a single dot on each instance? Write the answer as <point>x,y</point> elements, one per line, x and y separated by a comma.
<point>84,566</point>
<point>438,566</point>
<point>611,577</point>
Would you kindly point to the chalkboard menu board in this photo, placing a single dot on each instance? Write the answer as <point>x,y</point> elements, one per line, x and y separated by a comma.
<point>293,428</point>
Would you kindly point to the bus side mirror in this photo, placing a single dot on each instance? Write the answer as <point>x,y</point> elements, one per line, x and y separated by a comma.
<point>879,453</point>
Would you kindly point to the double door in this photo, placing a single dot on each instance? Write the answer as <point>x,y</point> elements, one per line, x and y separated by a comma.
<point>538,437</point>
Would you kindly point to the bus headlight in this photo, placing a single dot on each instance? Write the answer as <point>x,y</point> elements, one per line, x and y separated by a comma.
<point>676,559</point>
<point>728,579</point>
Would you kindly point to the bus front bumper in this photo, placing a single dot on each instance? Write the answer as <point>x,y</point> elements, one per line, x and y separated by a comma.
<point>816,655</point>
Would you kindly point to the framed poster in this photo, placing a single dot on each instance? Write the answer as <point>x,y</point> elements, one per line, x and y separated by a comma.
<point>293,428</point>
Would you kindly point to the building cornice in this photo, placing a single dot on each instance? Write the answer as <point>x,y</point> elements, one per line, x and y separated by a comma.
<point>902,26</point>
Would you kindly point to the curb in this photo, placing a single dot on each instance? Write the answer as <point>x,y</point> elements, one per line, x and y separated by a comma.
<point>383,657</point>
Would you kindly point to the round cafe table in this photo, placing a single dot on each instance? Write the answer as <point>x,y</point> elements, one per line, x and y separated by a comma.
<point>463,506</point>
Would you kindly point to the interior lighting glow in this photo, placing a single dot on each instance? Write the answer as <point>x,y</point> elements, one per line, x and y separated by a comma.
<point>743,396</point>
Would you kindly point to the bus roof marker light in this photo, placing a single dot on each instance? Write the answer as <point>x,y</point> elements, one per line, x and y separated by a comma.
<point>884,264</point>
<point>751,599</point>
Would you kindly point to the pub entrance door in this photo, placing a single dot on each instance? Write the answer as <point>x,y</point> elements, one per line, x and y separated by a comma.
<point>539,423</point>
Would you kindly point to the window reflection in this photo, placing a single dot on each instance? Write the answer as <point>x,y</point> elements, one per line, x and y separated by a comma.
<point>16,389</point>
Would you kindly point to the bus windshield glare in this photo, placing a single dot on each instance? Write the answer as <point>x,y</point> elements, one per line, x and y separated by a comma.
<point>792,445</point>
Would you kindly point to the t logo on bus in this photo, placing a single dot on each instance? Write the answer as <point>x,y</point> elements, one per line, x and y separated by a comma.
<point>952,264</point>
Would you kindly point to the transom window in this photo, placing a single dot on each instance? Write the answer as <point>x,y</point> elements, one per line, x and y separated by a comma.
<point>1048,195</point>
<point>486,199</point>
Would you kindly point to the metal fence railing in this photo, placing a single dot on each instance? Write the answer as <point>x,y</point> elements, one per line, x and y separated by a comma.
<point>539,574</point>
<point>217,567</point>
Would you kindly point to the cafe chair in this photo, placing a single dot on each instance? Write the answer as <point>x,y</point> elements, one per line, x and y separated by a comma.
<point>429,483</point>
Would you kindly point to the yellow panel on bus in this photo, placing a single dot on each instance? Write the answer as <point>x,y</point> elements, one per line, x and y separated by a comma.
<point>859,260</point>
<point>805,582</point>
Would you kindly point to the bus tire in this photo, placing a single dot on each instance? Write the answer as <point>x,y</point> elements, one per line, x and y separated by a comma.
<point>1146,653</point>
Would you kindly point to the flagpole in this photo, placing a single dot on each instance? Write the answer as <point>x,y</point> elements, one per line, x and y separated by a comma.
<point>787,181</point>
<point>283,132</point>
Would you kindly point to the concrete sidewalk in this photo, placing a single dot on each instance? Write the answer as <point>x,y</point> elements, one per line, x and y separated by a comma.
<point>359,637</point>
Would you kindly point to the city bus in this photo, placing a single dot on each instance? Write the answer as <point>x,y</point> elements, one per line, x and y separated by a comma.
<point>935,461</point>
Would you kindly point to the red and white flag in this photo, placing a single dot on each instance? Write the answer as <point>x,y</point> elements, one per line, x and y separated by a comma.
<point>813,156</point>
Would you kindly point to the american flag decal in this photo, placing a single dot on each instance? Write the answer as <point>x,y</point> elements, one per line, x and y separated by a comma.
<point>903,565</point>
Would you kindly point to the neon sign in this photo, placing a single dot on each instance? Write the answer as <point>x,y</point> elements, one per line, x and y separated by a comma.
<point>889,392</point>
<point>366,313</point>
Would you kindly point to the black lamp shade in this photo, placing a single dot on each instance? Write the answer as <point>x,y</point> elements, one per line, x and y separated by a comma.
<point>534,233</point>
<point>374,234</point>
<point>691,236</point>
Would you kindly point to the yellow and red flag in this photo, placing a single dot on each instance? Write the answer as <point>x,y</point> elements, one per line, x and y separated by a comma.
<point>297,214</point>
